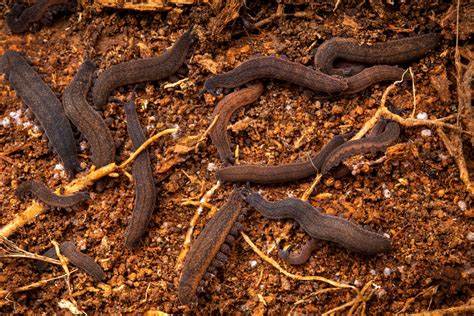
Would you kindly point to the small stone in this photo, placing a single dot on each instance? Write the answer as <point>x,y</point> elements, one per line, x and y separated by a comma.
<point>5,122</point>
<point>253,263</point>
<point>441,193</point>
<point>426,133</point>
<point>386,192</point>
<point>422,116</point>
<point>470,236</point>
<point>373,272</point>
<point>357,283</point>
<point>462,205</point>
<point>387,272</point>
<point>211,167</point>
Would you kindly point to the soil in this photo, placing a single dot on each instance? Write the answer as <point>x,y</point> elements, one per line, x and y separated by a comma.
<point>415,196</point>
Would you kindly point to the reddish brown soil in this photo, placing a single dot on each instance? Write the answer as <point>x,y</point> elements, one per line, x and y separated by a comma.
<point>428,214</point>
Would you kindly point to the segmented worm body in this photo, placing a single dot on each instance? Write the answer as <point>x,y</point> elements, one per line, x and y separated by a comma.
<point>209,251</point>
<point>20,17</point>
<point>86,119</point>
<point>77,259</point>
<point>303,256</point>
<point>372,75</point>
<point>387,53</point>
<point>145,191</point>
<point>47,196</point>
<point>225,108</point>
<point>44,104</point>
<point>322,226</point>
<point>280,173</point>
<point>148,69</point>
<point>275,68</point>
<point>361,146</point>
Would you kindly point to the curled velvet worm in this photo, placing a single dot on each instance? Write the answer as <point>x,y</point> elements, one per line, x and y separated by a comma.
<point>47,196</point>
<point>275,68</point>
<point>86,119</point>
<point>145,191</point>
<point>77,259</point>
<point>136,71</point>
<point>44,104</point>
<point>371,144</point>
<point>209,251</point>
<point>301,257</point>
<point>322,226</point>
<point>281,173</point>
<point>388,53</point>
<point>225,108</point>
<point>20,17</point>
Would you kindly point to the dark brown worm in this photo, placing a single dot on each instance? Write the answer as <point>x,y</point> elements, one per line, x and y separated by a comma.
<point>361,146</point>
<point>44,104</point>
<point>145,191</point>
<point>20,17</point>
<point>388,53</point>
<point>275,68</point>
<point>281,173</point>
<point>76,258</point>
<point>301,257</point>
<point>322,226</point>
<point>209,250</point>
<point>86,119</point>
<point>148,69</point>
<point>225,108</point>
<point>372,75</point>
<point>47,196</point>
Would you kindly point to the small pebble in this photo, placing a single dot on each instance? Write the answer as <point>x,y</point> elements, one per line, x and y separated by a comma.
<point>387,271</point>
<point>386,192</point>
<point>83,145</point>
<point>443,157</point>
<point>426,133</point>
<point>211,167</point>
<point>253,263</point>
<point>357,283</point>
<point>373,272</point>
<point>422,116</point>
<point>5,122</point>
<point>462,205</point>
<point>470,236</point>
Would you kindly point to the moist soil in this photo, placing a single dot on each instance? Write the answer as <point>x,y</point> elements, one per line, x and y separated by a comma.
<point>415,195</point>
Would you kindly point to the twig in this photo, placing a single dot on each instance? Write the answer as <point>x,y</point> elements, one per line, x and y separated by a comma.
<point>146,144</point>
<point>13,251</point>
<point>361,297</point>
<point>189,234</point>
<point>310,190</point>
<point>291,275</point>
<point>33,285</point>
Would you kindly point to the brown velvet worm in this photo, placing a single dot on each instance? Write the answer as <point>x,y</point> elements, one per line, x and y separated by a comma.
<point>392,52</point>
<point>281,173</point>
<point>44,104</point>
<point>225,108</point>
<point>322,226</point>
<point>275,68</point>
<point>371,144</point>
<point>209,251</point>
<point>136,71</point>
<point>47,196</point>
<point>145,191</point>
<point>20,17</point>
<point>77,259</point>
<point>86,119</point>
